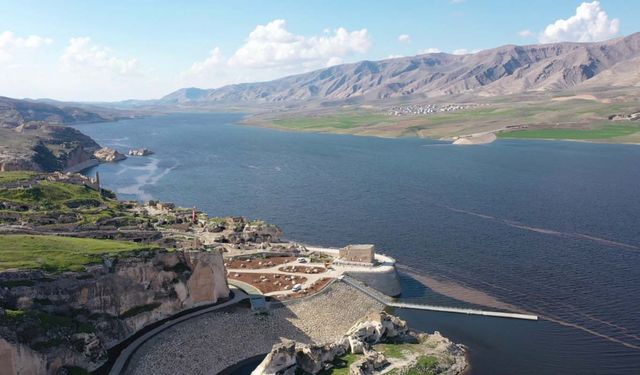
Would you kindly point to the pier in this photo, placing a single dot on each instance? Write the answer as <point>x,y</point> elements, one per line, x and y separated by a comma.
<point>457,310</point>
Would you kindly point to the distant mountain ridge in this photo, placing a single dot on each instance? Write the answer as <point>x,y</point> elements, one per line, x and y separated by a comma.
<point>505,70</point>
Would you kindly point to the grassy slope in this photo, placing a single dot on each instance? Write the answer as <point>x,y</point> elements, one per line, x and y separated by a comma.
<point>602,132</point>
<point>337,122</point>
<point>15,176</point>
<point>53,253</point>
<point>57,254</point>
<point>47,197</point>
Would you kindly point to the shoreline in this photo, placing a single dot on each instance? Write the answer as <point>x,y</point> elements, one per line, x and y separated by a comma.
<point>451,139</point>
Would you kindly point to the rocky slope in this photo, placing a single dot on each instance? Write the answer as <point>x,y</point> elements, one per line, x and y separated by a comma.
<point>47,148</point>
<point>504,70</point>
<point>49,320</point>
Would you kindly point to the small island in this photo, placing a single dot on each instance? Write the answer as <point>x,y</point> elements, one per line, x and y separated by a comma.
<point>140,152</point>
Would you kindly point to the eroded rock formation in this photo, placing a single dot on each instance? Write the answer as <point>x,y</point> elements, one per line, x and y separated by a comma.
<point>108,155</point>
<point>290,358</point>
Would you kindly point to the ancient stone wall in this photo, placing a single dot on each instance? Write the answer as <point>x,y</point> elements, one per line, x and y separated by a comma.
<point>358,253</point>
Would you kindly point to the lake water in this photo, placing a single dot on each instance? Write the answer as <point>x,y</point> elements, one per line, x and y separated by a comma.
<point>552,228</point>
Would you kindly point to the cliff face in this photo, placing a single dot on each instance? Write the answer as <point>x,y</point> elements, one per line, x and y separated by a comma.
<point>48,321</point>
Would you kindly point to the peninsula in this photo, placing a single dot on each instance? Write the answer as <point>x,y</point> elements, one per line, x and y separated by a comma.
<point>82,273</point>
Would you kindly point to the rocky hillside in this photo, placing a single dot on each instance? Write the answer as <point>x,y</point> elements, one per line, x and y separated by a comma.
<point>33,136</point>
<point>504,70</point>
<point>42,147</point>
<point>15,112</point>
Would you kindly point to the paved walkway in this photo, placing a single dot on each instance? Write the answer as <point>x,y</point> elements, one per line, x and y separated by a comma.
<point>121,362</point>
<point>387,301</point>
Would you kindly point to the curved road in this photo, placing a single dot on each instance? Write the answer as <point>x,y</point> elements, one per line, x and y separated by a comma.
<point>121,362</point>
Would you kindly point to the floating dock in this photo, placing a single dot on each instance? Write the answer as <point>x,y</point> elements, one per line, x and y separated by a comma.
<point>457,310</point>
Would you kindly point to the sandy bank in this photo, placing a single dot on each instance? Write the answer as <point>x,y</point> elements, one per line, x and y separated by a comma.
<point>475,139</point>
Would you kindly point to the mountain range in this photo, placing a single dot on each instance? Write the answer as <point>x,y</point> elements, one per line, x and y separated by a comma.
<point>505,70</point>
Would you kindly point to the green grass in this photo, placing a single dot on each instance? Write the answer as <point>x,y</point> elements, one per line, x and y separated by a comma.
<point>51,194</point>
<point>53,198</point>
<point>15,176</point>
<point>57,254</point>
<point>341,365</point>
<point>396,350</point>
<point>338,121</point>
<point>426,365</point>
<point>605,132</point>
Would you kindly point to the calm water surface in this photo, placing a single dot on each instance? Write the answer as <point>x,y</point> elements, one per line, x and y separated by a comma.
<point>550,227</point>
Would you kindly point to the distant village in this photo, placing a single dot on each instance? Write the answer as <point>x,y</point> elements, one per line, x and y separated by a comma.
<point>426,109</point>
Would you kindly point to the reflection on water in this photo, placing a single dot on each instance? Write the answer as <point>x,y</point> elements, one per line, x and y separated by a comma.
<point>544,227</point>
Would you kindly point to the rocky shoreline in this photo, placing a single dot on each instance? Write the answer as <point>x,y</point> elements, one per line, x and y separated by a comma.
<point>379,343</point>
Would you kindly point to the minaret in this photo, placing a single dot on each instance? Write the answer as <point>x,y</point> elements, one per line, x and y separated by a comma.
<point>98,180</point>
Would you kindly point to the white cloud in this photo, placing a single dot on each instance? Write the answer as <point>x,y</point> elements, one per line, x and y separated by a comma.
<point>271,51</point>
<point>214,61</point>
<point>525,33</point>
<point>465,51</point>
<point>590,24</point>
<point>394,56</point>
<point>334,61</point>
<point>272,45</point>
<point>404,38</point>
<point>89,71</point>
<point>80,54</point>
<point>429,50</point>
<point>80,70</point>
<point>10,44</point>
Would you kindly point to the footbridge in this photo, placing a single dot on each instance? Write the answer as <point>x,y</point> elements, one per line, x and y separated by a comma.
<point>388,302</point>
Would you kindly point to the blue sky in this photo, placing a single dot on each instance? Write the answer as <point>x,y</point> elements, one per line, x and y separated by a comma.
<point>90,50</point>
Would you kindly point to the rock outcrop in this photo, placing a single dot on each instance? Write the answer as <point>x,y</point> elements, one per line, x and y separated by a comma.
<point>140,152</point>
<point>293,358</point>
<point>108,155</point>
<point>53,320</point>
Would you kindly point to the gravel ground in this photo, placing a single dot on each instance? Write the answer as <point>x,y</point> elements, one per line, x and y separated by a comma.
<point>209,343</point>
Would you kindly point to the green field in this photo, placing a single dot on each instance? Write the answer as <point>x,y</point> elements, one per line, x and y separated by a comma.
<point>574,119</point>
<point>342,121</point>
<point>605,132</point>
<point>57,254</point>
<point>53,198</point>
<point>9,177</point>
<point>52,195</point>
